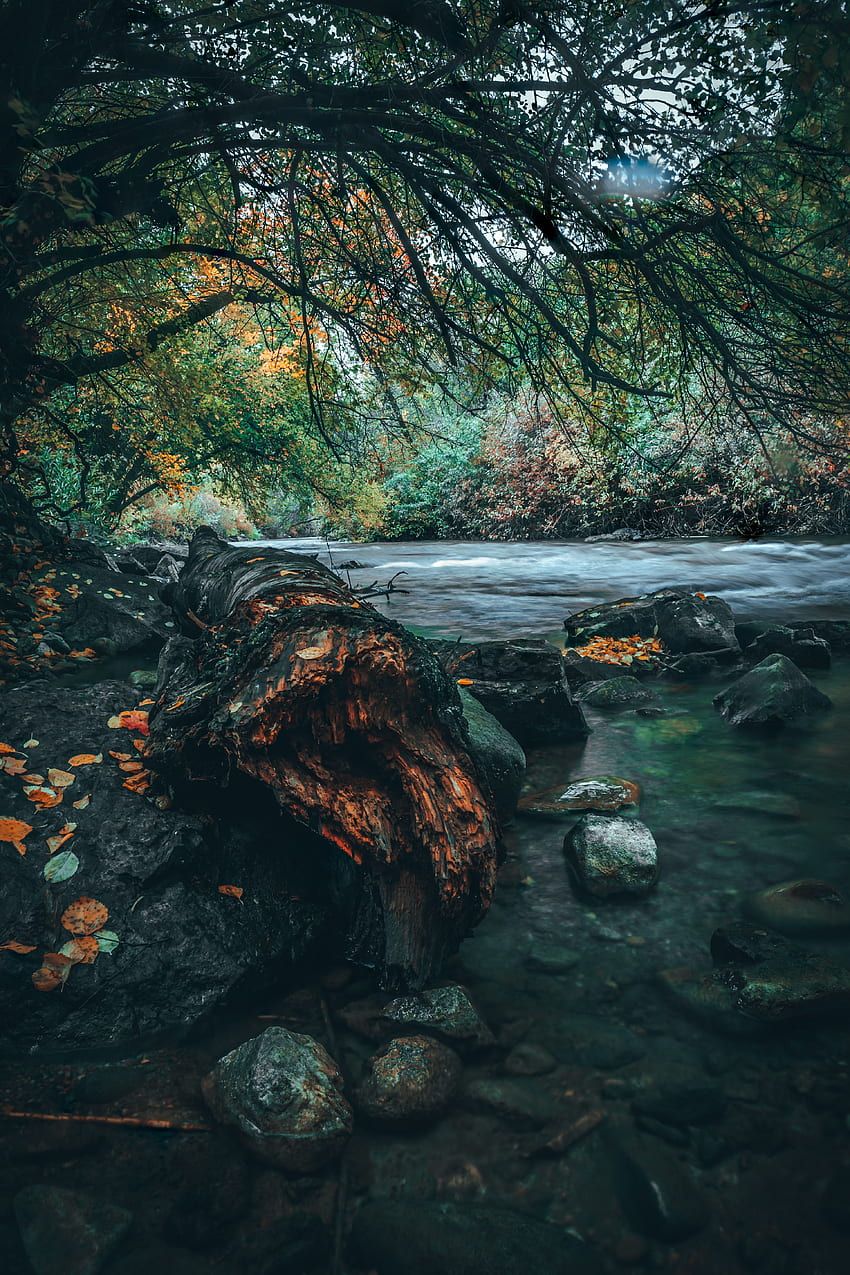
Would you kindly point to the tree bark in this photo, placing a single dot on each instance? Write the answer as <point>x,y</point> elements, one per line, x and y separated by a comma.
<point>283,676</point>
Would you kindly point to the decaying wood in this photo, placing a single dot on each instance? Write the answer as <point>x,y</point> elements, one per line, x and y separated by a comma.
<point>350,722</point>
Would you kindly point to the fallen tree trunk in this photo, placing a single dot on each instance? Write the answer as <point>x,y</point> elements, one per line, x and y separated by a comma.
<point>282,676</point>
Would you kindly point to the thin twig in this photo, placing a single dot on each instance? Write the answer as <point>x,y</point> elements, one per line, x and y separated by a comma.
<point>131,1122</point>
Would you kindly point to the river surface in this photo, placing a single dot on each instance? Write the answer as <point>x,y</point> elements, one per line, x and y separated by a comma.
<point>477,590</point>
<point>713,1145</point>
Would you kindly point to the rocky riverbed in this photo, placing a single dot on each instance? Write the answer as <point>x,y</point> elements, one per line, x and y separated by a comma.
<point>639,1059</point>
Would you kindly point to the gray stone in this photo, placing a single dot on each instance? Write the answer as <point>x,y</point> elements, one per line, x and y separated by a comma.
<point>800,907</point>
<point>772,693</point>
<point>447,1011</point>
<point>518,1103</point>
<point>592,792</point>
<point>551,957</point>
<point>528,1059</point>
<point>65,1232</point>
<point>411,1080</point>
<point>611,856</point>
<point>657,1192</point>
<point>497,754</point>
<point>282,1092</point>
<point>615,692</point>
<point>802,646</point>
<point>684,1101</point>
<point>419,1237</point>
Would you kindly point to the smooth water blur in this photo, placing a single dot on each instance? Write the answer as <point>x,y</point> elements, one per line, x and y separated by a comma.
<point>479,590</point>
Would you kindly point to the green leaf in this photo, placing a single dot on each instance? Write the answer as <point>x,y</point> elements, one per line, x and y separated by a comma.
<point>61,867</point>
<point>107,940</point>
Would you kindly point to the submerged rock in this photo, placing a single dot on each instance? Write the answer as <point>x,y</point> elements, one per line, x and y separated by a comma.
<point>800,907</point>
<point>497,754</point>
<point>522,683</point>
<point>615,692</point>
<point>610,855</point>
<point>657,1192</point>
<point>682,620</point>
<point>419,1237</point>
<point>592,793</point>
<point>772,693</point>
<point>282,1093</point>
<point>411,1080</point>
<point>519,1103</point>
<point>687,1101</point>
<point>65,1232</point>
<point>446,1011</point>
<point>528,1059</point>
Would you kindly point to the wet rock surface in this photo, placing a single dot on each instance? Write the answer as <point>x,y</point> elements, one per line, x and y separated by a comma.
<point>612,856</point>
<point>66,1232</point>
<point>595,793</point>
<point>180,946</point>
<point>801,907</point>
<point>405,1237</point>
<point>410,1081</point>
<point>497,754</point>
<point>522,683</point>
<point>774,692</point>
<point>447,1012</point>
<point>802,646</point>
<point>616,692</point>
<point>282,1093</point>
<point>683,621</point>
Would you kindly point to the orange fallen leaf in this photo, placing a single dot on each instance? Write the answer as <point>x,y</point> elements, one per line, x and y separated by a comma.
<point>84,916</point>
<point>14,830</point>
<point>465,681</point>
<point>139,745</point>
<point>83,802</point>
<point>120,756</point>
<point>85,759</point>
<point>82,951</point>
<point>45,798</point>
<point>60,778</point>
<point>142,702</point>
<point>232,891</point>
<point>14,765</point>
<point>130,767</point>
<point>178,703</point>
<point>12,945</point>
<point>130,719</point>
<point>53,972</point>
<point>5,749</point>
<point>31,778</point>
<point>250,560</point>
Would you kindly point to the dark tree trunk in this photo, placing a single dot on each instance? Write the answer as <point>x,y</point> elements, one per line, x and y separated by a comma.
<point>350,722</point>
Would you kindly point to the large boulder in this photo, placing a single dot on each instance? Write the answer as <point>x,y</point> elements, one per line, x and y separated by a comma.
<point>282,1093</point>
<point>772,693</point>
<point>419,1237</point>
<point>523,684</point>
<point>616,692</point>
<point>683,621</point>
<point>177,944</point>
<point>610,855</point>
<point>804,906</point>
<point>801,646</point>
<point>498,756</point>
<point>410,1081</point>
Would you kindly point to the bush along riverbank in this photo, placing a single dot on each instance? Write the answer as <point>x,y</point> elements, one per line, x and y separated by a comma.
<point>280,841</point>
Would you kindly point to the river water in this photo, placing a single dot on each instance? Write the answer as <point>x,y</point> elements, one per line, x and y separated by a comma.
<point>743,1162</point>
<point>502,590</point>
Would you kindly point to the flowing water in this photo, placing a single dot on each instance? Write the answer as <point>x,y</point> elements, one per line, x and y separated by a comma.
<point>757,1179</point>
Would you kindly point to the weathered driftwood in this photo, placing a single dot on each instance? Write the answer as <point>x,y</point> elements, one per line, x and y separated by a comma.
<point>350,722</point>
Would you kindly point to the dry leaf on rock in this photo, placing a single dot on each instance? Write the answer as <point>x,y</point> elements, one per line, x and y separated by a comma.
<point>85,759</point>
<point>60,778</point>
<point>53,973</point>
<point>232,891</point>
<point>14,831</point>
<point>12,945</point>
<point>84,916</point>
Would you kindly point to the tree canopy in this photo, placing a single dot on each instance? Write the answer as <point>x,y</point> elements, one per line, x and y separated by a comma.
<point>583,195</point>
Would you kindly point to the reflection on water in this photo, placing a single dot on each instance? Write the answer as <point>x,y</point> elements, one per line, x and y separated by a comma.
<point>501,590</point>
